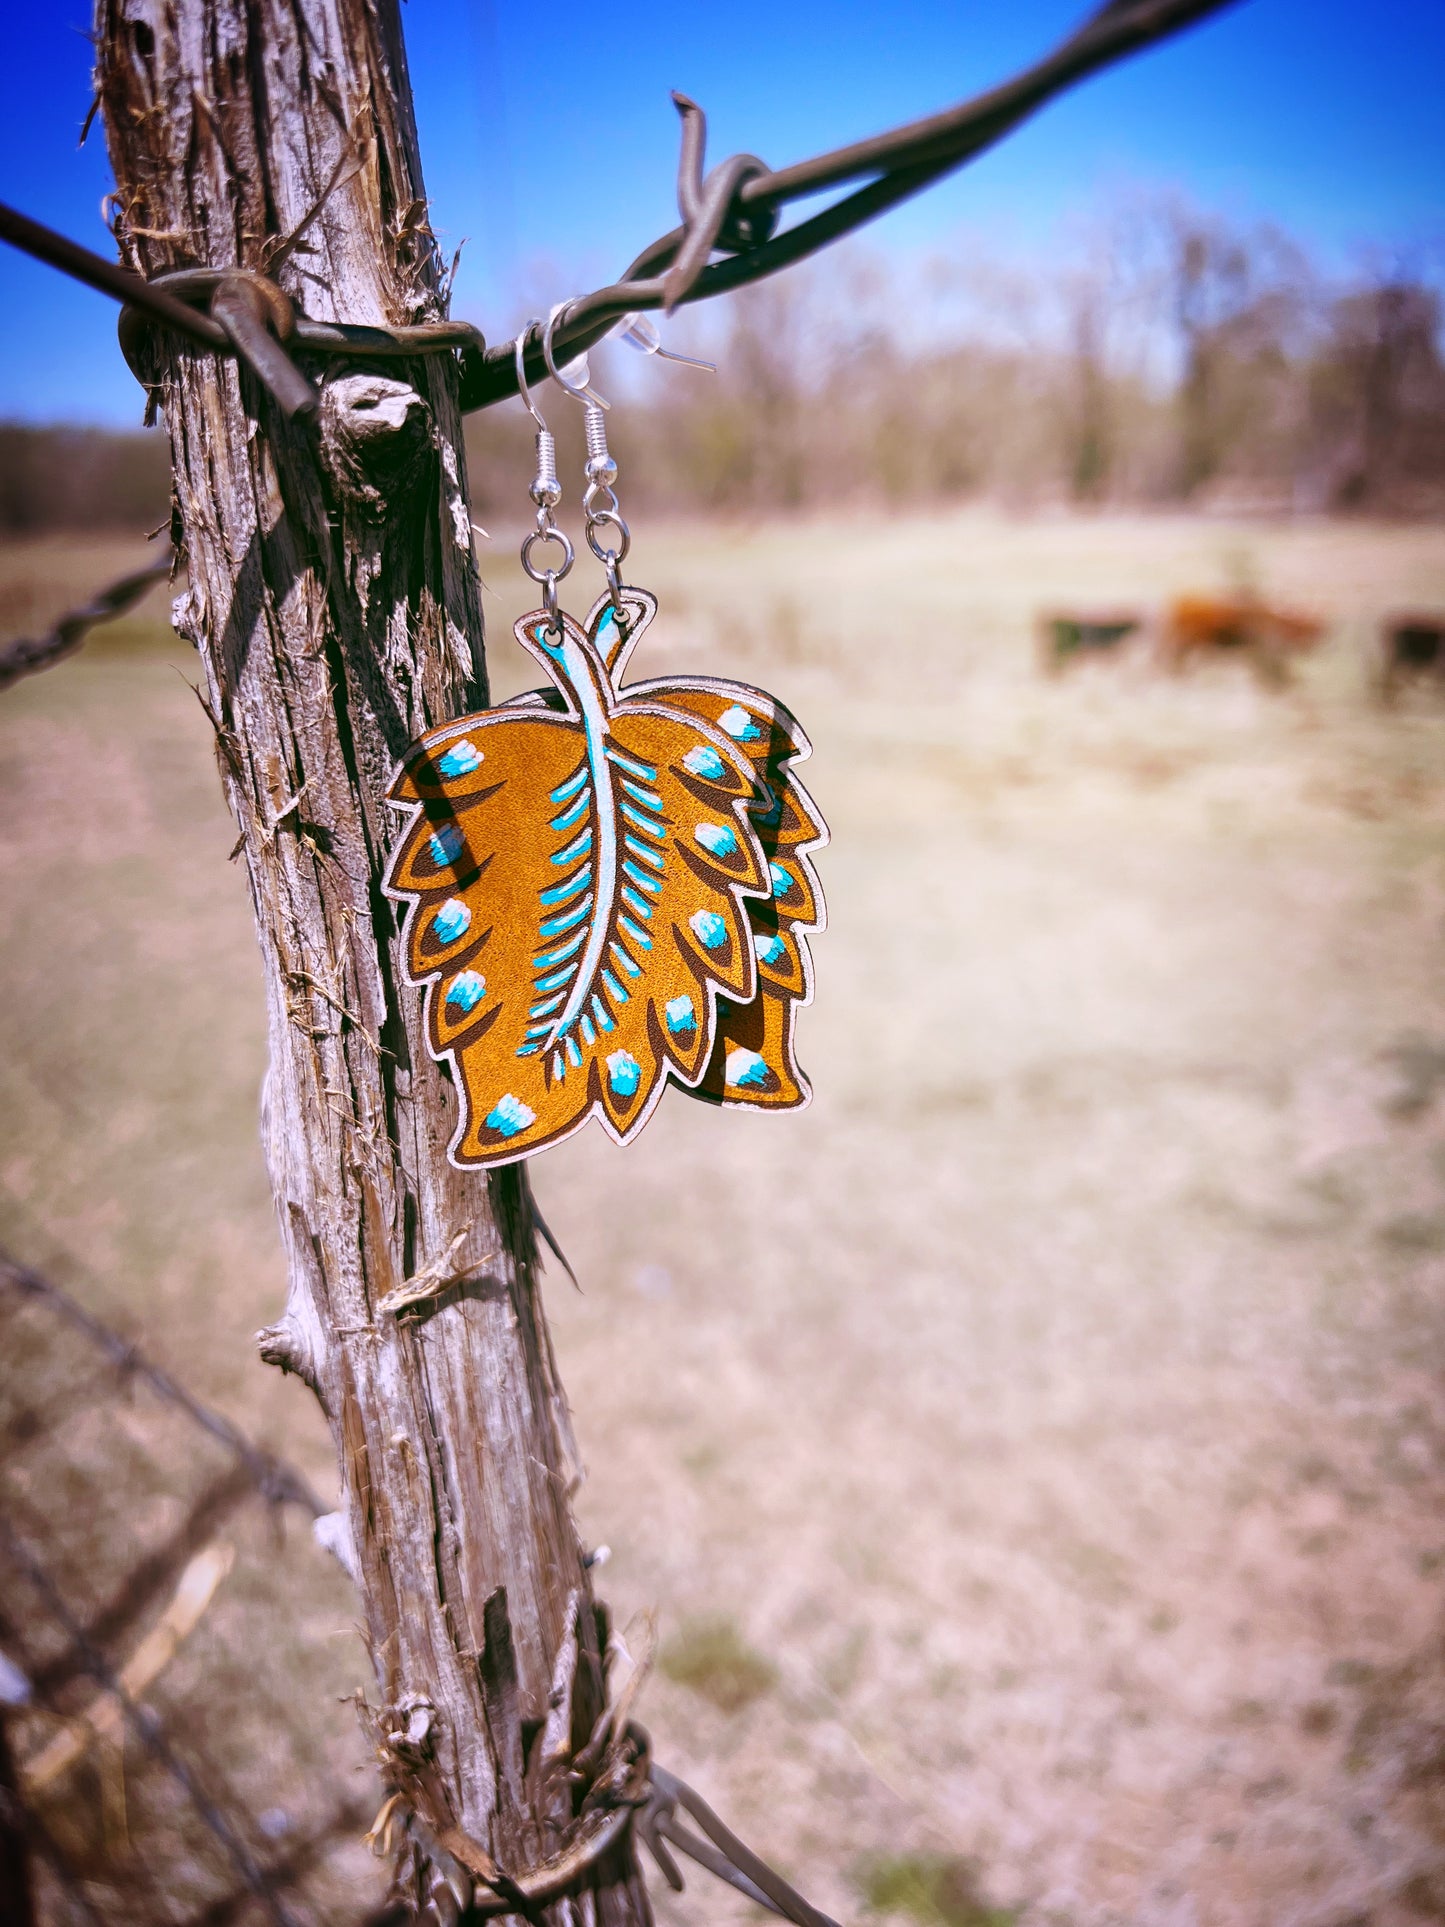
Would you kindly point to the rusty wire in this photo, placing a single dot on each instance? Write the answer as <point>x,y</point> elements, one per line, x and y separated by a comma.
<point>721,1852</point>
<point>276,1481</point>
<point>715,1847</point>
<point>232,310</point>
<point>29,653</point>
<point>146,1726</point>
<point>733,211</point>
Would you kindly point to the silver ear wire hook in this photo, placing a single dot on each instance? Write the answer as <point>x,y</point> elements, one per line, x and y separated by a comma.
<point>519,355</point>
<point>546,489</point>
<point>582,390</point>
<point>599,500</point>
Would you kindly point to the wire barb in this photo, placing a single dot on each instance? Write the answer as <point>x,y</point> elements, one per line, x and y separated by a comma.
<point>733,211</point>
<point>677,268</point>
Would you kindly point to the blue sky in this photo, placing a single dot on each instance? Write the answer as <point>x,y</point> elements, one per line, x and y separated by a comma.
<point>550,142</point>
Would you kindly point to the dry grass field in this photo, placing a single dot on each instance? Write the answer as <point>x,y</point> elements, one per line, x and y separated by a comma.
<point>1033,1452</point>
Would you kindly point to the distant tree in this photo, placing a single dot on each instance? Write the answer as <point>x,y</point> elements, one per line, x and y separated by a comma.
<point>1378,393</point>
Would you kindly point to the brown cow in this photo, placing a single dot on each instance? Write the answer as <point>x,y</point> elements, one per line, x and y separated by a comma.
<point>1195,626</point>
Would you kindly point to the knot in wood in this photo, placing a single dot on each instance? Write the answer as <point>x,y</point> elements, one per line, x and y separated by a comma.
<point>410,1729</point>
<point>188,616</point>
<point>376,438</point>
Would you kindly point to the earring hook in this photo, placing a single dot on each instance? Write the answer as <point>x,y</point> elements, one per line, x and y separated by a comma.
<point>582,390</point>
<point>519,353</point>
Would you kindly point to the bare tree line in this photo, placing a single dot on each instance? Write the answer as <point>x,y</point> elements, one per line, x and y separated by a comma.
<point>1167,354</point>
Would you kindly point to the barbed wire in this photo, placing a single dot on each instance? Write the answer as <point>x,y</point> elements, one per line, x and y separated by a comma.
<point>146,1726</point>
<point>735,208</point>
<point>273,1478</point>
<point>29,653</point>
<point>731,211</point>
<point>268,1476</point>
<point>714,1847</point>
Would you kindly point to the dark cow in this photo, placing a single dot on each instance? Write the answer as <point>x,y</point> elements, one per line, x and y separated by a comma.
<point>1071,636</point>
<point>1412,650</point>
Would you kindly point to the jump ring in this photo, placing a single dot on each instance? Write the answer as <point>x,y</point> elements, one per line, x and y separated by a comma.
<point>543,575</point>
<point>609,519</point>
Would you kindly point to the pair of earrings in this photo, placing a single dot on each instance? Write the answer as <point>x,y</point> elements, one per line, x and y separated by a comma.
<point>607,887</point>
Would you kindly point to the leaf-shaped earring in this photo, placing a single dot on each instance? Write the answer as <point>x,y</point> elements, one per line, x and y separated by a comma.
<point>607,887</point>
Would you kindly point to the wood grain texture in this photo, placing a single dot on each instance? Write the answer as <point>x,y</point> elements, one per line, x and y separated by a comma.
<point>335,608</point>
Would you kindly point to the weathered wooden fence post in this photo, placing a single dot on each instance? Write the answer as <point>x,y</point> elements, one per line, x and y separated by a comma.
<point>335,607</point>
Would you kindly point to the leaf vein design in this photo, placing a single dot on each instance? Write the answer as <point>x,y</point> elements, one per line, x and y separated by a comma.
<point>631,830</point>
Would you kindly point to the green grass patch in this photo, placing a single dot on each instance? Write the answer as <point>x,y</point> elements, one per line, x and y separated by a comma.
<point>940,1889</point>
<point>711,1657</point>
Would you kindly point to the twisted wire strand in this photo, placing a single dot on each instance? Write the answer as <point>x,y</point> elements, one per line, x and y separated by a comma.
<point>733,212</point>
<point>29,653</point>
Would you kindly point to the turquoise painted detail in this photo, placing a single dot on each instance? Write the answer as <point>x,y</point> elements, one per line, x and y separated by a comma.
<point>560,892</point>
<point>557,977</point>
<point>632,969</point>
<point>550,958</point>
<point>654,857</point>
<point>770,949</point>
<point>568,920</point>
<point>589,1032</point>
<point>606,637</point>
<point>649,799</point>
<point>704,761</point>
<point>467,990</point>
<point>460,760</point>
<point>571,786</point>
<point>453,920</point>
<point>558,1068</point>
<point>637,935</point>
<point>509,1115</point>
<point>546,1007</point>
<point>709,929</point>
<point>624,1073</point>
<point>640,877</point>
<point>530,1050</point>
<point>630,763</point>
<point>573,813</point>
<point>577,847</point>
<point>680,1015</point>
<point>615,990</point>
<point>783,884</point>
<point>599,1011</point>
<point>745,1070</point>
<point>716,838</point>
<point>574,1056</point>
<point>737,723</point>
<point>445,845</point>
<point>644,823</point>
<point>637,903</point>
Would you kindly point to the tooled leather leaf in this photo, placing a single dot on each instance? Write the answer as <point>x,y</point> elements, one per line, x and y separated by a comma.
<point>578,875</point>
